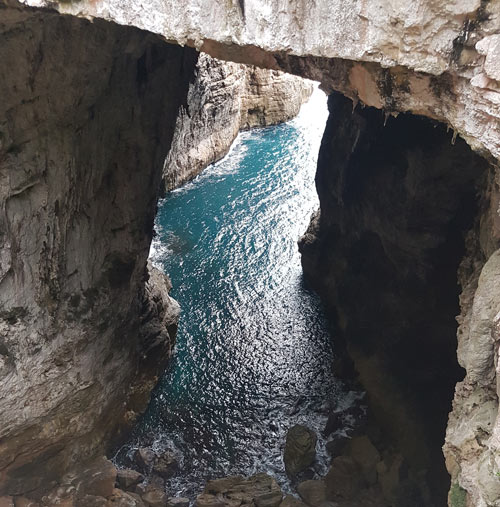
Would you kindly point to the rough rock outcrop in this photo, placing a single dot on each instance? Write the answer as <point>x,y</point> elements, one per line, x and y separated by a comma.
<point>300,449</point>
<point>77,142</point>
<point>259,490</point>
<point>86,119</point>
<point>437,59</point>
<point>398,197</point>
<point>223,99</point>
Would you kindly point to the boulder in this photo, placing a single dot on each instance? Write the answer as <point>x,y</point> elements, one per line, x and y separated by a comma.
<point>178,502</point>
<point>155,482</point>
<point>260,490</point>
<point>312,492</point>
<point>366,456</point>
<point>336,446</point>
<point>343,481</point>
<point>155,497</point>
<point>98,478</point>
<point>300,449</point>
<point>224,485</point>
<point>165,465</point>
<point>127,479</point>
<point>333,423</point>
<point>207,500</point>
<point>125,499</point>
<point>144,458</point>
<point>291,501</point>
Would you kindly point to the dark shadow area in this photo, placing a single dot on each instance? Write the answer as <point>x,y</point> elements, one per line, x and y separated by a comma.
<point>398,196</point>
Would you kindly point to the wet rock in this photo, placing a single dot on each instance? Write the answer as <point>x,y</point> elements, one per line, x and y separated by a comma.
<point>366,456</point>
<point>144,458</point>
<point>224,485</point>
<point>155,483</point>
<point>178,502</point>
<point>260,490</point>
<point>22,501</point>
<point>98,478</point>
<point>336,446</point>
<point>268,499</point>
<point>333,423</point>
<point>92,501</point>
<point>300,449</point>
<point>155,497</point>
<point>127,479</point>
<point>165,465</point>
<point>207,500</point>
<point>312,492</point>
<point>343,481</point>
<point>291,501</point>
<point>125,499</point>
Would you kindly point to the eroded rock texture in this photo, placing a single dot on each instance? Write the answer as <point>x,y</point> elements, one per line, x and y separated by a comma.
<point>223,99</point>
<point>86,118</point>
<point>77,100</point>
<point>434,58</point>
<point>397,199</point>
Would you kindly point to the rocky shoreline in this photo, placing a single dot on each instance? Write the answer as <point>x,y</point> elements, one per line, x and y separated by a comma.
<point>87,117</point>
<point>225,98</point>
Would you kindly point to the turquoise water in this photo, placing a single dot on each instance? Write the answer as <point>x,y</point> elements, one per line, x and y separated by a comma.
<point>253,354</point>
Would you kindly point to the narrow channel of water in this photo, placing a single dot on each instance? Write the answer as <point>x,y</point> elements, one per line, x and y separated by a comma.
<point>253,354</point>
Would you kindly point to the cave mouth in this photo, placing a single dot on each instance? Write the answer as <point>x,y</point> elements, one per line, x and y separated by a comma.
<point>399,196</point>
<point>254,353</point>
<point>395,308</point>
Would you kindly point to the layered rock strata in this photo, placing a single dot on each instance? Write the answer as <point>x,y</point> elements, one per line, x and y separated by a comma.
<point>87,116</point>
<point>223,99</point>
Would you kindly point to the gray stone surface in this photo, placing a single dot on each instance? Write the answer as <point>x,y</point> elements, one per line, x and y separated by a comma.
<point>85,326</point>
<point>223,99</point>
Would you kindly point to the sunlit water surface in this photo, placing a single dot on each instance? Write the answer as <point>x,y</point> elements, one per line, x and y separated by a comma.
<point>253,354</point>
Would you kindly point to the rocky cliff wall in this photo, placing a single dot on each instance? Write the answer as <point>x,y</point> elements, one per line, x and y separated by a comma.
<point>434,58</point>
<point>398,197</point>
<point>86,119</point>
<point>431,58</point>
<point>223,99</point>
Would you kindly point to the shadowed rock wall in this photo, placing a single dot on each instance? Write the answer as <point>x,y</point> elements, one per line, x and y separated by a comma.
<point>398,197</point>
<point>86,119</point>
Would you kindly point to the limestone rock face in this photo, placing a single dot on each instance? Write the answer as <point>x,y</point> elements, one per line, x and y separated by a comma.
<point>223,99</point>
<point>86,119</point>
<point>434,58</point>
<point>80,161</point>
